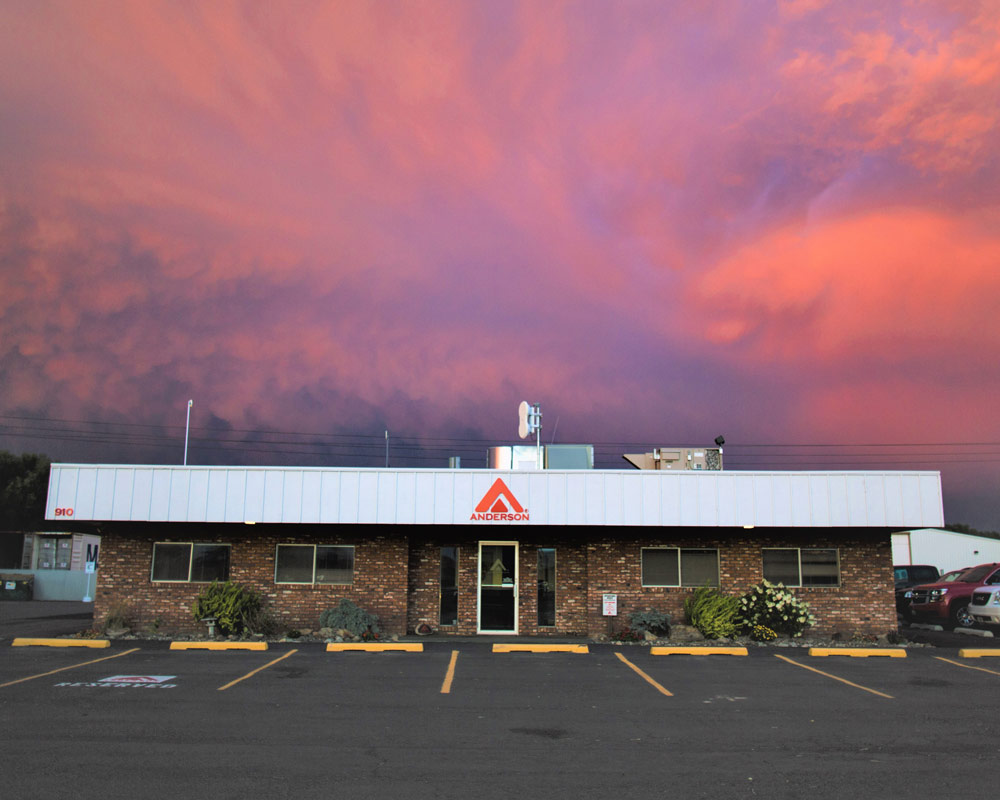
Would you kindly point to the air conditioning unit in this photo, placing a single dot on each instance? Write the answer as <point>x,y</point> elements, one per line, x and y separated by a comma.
<point>678,458</point>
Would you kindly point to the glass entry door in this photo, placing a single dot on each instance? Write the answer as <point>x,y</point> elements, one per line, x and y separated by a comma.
<point>498,587</point>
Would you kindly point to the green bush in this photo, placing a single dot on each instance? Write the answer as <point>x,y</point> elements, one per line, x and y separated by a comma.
<point>775,607</point>
<point>651,620</point>
<point>713,613</point>
<point>349,616</point>
<point>237,609</point>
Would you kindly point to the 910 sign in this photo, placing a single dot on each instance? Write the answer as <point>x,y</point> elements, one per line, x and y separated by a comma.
<point>64,512</point>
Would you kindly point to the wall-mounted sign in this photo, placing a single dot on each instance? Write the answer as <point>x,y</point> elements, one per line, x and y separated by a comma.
<point>492,507</point>
<point>611,605</point>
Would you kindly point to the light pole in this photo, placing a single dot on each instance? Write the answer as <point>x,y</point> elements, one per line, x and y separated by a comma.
<point>187,428</point>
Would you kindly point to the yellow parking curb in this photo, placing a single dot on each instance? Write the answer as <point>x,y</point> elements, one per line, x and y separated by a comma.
<point>698,651</point>
<point>218,645</point>
<point>857,652</point>
<point>375,647</point>
<point>540,648</point>
<point>980,652</point>
<point>61,643</point>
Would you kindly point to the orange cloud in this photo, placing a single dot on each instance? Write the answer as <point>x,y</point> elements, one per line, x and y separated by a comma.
<point>880,285</point>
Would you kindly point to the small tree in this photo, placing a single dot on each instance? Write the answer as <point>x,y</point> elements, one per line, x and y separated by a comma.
<point>24,486</point>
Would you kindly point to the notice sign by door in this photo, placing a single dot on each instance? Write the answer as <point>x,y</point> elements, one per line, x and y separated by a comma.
<point>611,605</point>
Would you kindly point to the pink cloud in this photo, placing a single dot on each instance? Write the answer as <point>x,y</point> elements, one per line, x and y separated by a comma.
<point>654,219</point>
<point>884,283</point>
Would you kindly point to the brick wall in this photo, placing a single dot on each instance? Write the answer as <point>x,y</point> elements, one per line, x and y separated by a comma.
<point>863,603</point>
<point>425,590</point>
<point>379,574</point>
<point>397,574</point>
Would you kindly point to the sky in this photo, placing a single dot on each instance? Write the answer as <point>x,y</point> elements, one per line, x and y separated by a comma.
<point>776,221</point>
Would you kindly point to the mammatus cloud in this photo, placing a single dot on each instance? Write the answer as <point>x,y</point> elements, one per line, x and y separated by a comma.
<point>661,222</point>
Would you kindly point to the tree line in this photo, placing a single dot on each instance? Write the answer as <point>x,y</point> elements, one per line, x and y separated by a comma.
<point>24,486</point>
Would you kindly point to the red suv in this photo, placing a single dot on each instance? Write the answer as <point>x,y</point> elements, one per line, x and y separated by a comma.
<point>947,604</point>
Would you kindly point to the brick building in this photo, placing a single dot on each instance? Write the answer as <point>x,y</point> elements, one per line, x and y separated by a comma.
<point>489,551</point>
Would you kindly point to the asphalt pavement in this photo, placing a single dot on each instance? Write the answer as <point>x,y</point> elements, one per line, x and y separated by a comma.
<point>35,618</point>
<point>137,720</point>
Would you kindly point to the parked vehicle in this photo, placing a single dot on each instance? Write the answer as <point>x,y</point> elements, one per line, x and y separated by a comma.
<point>906,577</point>
<point>947,603</point>
<point>905,596</point>
<point>985,605</point>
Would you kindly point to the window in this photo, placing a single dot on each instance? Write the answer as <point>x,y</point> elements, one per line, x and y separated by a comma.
<point>309,563</point>
<point>449,586</point>
<point>546,587</point>
<point>182,562</point>
<point>794,566</point>
<point>673,566</point>
<point>54,552</point>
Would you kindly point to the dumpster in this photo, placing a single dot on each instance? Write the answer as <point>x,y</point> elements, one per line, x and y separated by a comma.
<point>16,587</point>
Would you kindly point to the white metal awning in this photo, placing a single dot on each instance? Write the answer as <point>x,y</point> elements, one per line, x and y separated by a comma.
<point>328,495</point>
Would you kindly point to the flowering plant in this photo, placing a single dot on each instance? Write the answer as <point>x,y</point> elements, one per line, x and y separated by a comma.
<point>762,633</point>
<point>774,606</point>
<point>628,634</point>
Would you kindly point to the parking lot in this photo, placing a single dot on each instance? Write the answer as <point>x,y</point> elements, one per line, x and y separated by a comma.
<point>461,720</point>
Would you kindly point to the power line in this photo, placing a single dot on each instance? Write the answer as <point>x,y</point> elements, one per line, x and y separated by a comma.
<point>379,436</point>
<point>327,446</point>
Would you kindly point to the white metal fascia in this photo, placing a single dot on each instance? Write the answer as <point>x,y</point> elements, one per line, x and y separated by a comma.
<point>569,497</point>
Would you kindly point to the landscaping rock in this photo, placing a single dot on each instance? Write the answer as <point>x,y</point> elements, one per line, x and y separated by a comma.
<point>685,633</point>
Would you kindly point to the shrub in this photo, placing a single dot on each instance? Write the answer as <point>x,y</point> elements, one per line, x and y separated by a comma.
<point>348,616</point>
<point>651,620</point>
<point>775,607</point>
<point>628,634</point>
<point>237,609</point>
<point>119,616</point>
<point>713,613</point>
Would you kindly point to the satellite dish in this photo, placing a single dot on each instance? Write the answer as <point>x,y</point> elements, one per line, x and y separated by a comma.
<point>523,428</point>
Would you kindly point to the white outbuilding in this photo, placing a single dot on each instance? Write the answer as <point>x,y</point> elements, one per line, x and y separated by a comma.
<point>946,550</point>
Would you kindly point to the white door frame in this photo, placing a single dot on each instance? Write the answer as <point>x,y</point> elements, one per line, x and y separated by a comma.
<point>479,587</point>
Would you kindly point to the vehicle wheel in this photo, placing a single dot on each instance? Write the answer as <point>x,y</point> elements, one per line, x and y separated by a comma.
<point>961,618</point>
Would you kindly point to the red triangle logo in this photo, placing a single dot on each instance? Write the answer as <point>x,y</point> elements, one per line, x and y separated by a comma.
<point>492,498</point>
<point>499,507</point>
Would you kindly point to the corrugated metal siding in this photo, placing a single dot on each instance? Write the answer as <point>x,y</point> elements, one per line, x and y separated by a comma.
<point>449,497</point>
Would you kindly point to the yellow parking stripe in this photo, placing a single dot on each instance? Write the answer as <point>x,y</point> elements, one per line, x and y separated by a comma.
<point>63,669</point>
<point>372,647</point>
<point>858,652</point>
<point>450,674</point>
<point>967,666</point>
<point>218,645</point>
<point>644,676</point>
<point>828,675</point>
<point>98,643</point>
<point>254,672</point>
<point>698,651</point>
<point>540,648</point>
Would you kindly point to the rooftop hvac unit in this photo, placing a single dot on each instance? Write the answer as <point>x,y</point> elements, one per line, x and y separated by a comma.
<point>678,458</point>
<point>555,456</point>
